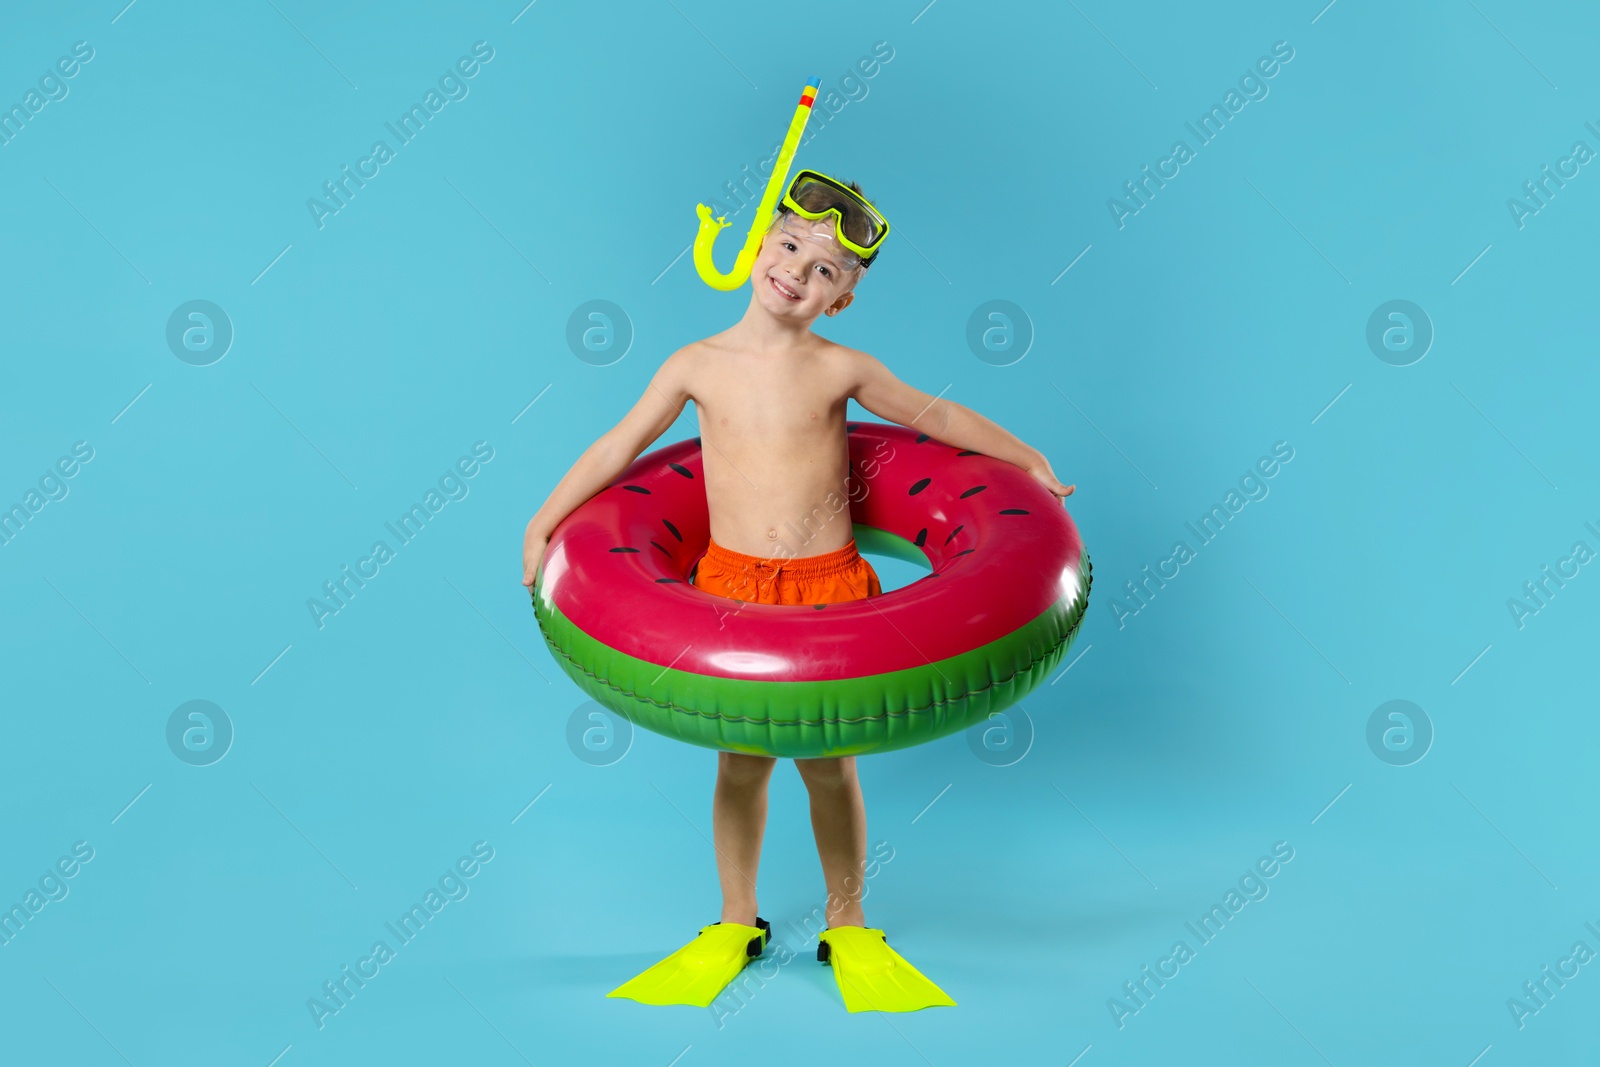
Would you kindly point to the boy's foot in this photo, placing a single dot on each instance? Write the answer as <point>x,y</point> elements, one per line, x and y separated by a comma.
<point>874,977</point>
<point>698,971</point>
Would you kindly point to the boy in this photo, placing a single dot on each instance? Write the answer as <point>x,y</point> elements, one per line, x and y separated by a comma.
<point>771,397</point>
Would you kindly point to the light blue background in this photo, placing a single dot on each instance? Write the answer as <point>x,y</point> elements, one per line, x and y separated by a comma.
<point>426,315</point>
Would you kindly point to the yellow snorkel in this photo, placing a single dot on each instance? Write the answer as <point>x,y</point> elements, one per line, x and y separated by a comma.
<point>709,227</point>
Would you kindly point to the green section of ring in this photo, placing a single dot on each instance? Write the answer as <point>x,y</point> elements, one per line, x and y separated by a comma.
<point>834,717</point>
<point>884,543</point>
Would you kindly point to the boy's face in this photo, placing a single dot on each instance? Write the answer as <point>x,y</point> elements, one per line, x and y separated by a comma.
<point>802,272</point>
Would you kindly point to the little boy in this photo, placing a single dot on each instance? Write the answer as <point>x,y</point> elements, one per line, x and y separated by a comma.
<point>771,396</point>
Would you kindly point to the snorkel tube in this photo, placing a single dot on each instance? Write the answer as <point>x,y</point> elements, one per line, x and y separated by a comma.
<point>709,227</point>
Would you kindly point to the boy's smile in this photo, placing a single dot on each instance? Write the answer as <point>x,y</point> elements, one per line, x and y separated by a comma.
<point>788,293</point>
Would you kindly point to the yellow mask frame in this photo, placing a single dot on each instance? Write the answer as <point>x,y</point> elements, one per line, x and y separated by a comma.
<point>868,215</point>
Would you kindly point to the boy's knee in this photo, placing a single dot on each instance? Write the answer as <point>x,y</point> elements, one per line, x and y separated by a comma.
<point>740,769</point>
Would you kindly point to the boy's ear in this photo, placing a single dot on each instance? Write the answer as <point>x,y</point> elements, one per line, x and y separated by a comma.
<point>841,303</point>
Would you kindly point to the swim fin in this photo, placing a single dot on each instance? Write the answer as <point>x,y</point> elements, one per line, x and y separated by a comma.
<point>698,971</point>
<point>874,977</point>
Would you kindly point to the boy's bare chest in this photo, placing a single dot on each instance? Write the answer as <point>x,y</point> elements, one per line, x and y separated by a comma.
<point>781,404</point>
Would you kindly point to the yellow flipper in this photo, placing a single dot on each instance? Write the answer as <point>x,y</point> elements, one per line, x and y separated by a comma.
<point>698,971</point>
<point>874,977</point>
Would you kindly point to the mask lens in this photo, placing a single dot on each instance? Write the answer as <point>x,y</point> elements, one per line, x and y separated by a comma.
<point>854,221</point>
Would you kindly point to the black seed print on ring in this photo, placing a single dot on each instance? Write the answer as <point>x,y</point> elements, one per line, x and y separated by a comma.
<point>921,437</point>
<point>685,471</point>
<point>920,486</point>
<point>637,489</point>
<point>969,453</point>
<point>953,533</point>
<point>664,551</point>
<point>662,581</point>
<point>624,550</point>
<point>1013,511</point>
<point>964,551</point>
<point>974,489</point>
<point>671,529</point>
<point>922,536</point>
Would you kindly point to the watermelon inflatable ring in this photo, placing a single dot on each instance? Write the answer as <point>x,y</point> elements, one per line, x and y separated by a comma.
<point>1007,589</point>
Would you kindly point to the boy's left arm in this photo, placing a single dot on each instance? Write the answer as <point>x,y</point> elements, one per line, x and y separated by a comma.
<point>876,388</point>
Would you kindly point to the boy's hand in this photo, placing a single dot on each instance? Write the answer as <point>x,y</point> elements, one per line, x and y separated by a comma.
<point>1046,477</point>
<point>533,546</point>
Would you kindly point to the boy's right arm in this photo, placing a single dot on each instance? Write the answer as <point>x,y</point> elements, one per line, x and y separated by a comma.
<point>610,455</point>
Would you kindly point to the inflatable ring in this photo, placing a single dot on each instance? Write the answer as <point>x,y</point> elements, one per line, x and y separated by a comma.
<point>1007,590</point>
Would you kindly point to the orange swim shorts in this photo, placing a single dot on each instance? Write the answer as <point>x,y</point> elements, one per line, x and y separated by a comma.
<point>830,578</point>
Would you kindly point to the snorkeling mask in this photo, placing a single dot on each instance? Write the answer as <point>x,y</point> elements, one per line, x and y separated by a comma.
<point>857,225</point>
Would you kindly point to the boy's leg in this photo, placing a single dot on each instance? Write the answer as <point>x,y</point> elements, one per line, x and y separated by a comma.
<point>838,813</point>
<point>738,819</point>
<point>839,821</point>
